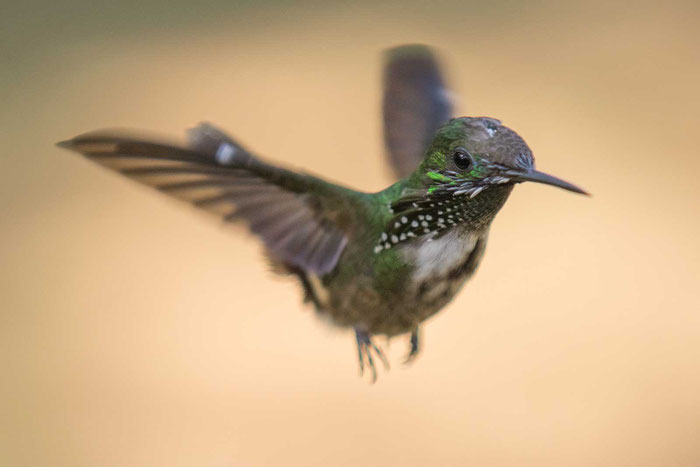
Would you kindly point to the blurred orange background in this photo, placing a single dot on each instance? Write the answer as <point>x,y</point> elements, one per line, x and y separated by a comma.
<point>137,332</point>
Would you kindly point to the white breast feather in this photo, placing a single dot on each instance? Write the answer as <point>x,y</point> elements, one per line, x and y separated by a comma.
<point>437,257</point>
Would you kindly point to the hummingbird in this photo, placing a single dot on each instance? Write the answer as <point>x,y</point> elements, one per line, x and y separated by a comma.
<point>379,263</point>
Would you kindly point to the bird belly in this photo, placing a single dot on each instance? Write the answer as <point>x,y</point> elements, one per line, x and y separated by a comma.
<point>439,268</point>
<point>439,272</point>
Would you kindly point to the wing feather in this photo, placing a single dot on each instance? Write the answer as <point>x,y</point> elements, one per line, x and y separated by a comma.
<point>416,103</point>
<point>217,174</point>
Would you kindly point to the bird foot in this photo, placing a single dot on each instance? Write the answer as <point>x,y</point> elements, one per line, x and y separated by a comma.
<point>415,347</point>
<point>365,348</point>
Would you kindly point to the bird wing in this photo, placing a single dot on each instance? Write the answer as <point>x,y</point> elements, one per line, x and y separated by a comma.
<point>287,210</point>
<point>416,103</point>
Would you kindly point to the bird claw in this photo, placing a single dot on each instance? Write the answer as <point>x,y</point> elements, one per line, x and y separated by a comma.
<point>365,347</point>
<point>415,348</point>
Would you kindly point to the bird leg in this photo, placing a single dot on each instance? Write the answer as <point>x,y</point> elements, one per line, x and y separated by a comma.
<point>415,346</point>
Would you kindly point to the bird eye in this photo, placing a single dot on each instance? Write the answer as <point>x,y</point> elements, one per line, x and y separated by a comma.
<point>462,159</point>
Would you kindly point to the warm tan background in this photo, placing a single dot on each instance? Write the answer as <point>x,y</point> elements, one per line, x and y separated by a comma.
<point>135,333</point>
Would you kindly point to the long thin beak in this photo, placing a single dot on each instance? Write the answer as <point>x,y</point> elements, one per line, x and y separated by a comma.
<point>541,177</point>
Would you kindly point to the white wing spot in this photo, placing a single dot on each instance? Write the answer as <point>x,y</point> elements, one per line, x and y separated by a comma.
<point>225,153</point>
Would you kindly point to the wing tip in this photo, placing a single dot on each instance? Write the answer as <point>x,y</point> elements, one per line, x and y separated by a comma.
<point>88,147</point>
<point>66,144</point>
<point>80,142</point>
<point>409,50</point>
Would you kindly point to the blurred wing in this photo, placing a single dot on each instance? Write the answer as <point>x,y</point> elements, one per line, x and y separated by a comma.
<point>217,174</point>
<point>416,103</point>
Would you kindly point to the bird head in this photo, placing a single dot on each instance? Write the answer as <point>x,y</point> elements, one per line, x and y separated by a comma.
<point>470,155</point>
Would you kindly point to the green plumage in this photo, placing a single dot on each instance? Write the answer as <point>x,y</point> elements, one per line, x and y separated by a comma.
<point>380,263</point>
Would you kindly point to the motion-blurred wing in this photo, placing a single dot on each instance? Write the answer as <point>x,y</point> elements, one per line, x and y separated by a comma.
<point>416,103</point>
<point>217,174</point>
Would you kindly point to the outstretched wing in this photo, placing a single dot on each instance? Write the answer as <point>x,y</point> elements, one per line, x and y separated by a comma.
<point>416,103</point>
<point>286,209</point>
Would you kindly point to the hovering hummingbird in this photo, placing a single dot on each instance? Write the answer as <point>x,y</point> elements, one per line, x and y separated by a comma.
<point>380,263</point>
